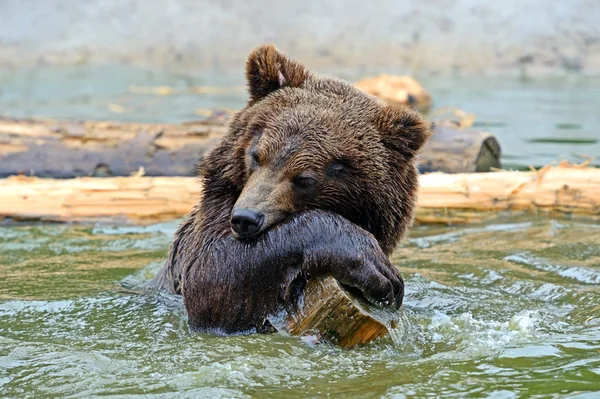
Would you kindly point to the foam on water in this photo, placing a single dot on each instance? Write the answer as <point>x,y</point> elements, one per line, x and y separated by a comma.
<point>578,273</point>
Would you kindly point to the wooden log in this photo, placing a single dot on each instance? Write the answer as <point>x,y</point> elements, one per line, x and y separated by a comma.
<point>453,149</point>
<point>331,312</point>
<point>558,191</point>
<point>564,190</point>
<point>62,149</point>
<point>404,90</point>
<point>126,199</point>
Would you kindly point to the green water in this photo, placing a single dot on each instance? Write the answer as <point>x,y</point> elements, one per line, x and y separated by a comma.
<point>503,310</point>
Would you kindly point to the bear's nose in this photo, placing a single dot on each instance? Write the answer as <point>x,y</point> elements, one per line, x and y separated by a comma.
<point>245,222</point>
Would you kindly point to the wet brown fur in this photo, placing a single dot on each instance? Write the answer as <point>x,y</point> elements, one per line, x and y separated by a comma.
<point>361,155</point>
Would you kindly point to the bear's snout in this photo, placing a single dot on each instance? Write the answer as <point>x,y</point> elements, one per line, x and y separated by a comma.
<point>246,223</point>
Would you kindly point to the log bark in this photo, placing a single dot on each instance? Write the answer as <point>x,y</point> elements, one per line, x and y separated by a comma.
<point>564,191</point>
<point>453,149</point>
<point>331,312</point>
<point>63,149</point>
<point>124,199</point>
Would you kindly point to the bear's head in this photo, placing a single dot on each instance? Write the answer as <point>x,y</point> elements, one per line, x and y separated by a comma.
<point>311,142</point>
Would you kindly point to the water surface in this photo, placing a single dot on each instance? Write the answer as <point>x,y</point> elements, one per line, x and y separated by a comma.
<point>502,310</point>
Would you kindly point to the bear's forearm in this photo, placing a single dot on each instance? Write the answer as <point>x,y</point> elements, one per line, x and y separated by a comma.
<point>232,285</point>
<point>313,240</point>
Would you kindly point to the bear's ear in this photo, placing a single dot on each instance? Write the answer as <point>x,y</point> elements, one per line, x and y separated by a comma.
<point>268,70</point>
<point>402,129</point>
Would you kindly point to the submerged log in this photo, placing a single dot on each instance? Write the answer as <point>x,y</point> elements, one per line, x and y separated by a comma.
<point>59,149</point>
<point>331,312</point>
<point>564,190</point>
<point>453,149</point>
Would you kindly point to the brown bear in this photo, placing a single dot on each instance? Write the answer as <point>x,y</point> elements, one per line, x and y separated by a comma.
<point>313,178</point>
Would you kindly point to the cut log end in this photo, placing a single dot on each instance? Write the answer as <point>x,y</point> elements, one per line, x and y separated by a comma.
<point>331,312</point>
<point>453,149</point>
<point>489,156</point>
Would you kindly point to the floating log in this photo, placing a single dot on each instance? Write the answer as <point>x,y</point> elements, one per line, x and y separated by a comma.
<point>404,90</point>
<point>59,149</point>
<point>125,199</point>
<point>564,190</point>
<point>453,149</point>
<point>63,149</point>
<point>329,311</point>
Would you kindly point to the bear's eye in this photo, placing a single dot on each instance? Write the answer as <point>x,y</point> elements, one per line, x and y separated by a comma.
<point>304,182</point>
<point>255,158</point>
<point>335,169</point>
